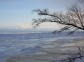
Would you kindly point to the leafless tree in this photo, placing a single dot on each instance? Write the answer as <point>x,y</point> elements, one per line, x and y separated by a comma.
<point>73,18</point>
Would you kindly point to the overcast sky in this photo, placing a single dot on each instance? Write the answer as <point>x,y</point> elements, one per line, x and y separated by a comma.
<point>18,13</point>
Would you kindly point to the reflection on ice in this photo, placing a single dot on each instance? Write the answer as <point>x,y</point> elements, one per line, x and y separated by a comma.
<point>16,45</point>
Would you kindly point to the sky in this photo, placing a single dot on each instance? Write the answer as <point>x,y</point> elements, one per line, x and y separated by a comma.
<point>17,14</point>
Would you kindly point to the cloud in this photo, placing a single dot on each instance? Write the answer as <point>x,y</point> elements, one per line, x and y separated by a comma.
<point>49,25</point>
<point>45,25</point>
<point>28,25</point>
<point>17,26</point>
<point>24,26</point>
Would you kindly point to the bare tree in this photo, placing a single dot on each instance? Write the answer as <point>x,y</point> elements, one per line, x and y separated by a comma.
<point>73,18</point>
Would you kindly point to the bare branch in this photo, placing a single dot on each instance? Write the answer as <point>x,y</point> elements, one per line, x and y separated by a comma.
<point>74,17</point>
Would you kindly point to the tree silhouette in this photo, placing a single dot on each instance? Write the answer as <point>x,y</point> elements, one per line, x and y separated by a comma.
<point>72,19</point>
